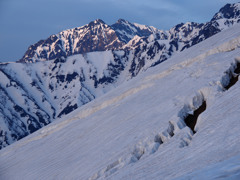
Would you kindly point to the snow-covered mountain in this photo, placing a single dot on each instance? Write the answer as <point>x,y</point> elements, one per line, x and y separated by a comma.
<point>184,35</point>
<point>64,77</point>
<point>177,120</point>
<point>126,30</point>
<point>98,36</point>
<point>95,36</point>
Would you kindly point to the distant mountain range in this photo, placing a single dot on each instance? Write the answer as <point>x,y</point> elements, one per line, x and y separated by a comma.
<point>71,68</point>
<point>98,36</point>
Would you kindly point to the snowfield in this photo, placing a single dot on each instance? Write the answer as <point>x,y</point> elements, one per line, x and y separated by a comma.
<point>137,131</point>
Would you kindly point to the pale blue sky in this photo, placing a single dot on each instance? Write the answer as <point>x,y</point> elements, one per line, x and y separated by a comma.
<point>24,22</point>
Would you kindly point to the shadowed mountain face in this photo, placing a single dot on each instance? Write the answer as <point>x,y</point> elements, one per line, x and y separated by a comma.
<point>33,95</point>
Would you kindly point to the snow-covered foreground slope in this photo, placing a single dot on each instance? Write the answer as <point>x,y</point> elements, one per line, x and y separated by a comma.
<point>137,131</point>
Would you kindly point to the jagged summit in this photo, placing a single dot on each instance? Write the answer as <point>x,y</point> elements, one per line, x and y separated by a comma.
<point>97,22</point>
<point>100,21</point>
<point>119,21</point>
<point>229,11</point>
<point>126,30</point>
<point>95,36</point>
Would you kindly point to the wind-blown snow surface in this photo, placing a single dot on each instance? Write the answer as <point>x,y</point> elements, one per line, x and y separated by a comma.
<point>137,131</point>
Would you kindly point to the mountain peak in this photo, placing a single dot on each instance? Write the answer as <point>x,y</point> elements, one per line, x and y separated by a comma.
<point>99,21</point>
<point>127,30</point>
<point>229,11</point>
<point>120,21</point>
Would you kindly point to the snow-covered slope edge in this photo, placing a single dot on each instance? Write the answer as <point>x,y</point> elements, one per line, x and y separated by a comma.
<point>137,131</point>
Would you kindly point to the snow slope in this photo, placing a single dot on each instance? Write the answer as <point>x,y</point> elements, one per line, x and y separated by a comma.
<point>137,131</point>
